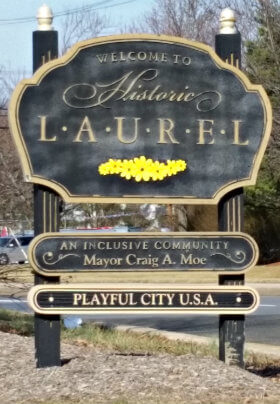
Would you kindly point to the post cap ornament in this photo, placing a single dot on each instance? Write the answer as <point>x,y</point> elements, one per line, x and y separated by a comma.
<point>45,18</point>
<point>227,22</point>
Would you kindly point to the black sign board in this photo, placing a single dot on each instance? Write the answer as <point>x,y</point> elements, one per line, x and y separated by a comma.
<point>81,298</point>
<point>58,253</point>
<point>140,116</point>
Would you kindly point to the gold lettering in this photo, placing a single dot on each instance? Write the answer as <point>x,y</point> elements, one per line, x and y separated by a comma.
<point>89,261</point>
<point>64,246</point>
<point>85,128</point>
<point>186,260</point>
<point>72,245</point>
<point>94,301</point>
<point>209,300</point>
<point>114,57</point>
<point>203,130</point>
<point>176,57</point>
<point>104,297</point>
<point>120,120</point>
<point>186,60</point>
<point>184,299</point>
<point>153,56</point>
<point>166,127</point>
<point>102,58</point>
<point>85,302</point>
<point>166,260</point>
<point>196,299</point>
<point>130,57</point>
<point>236,139</point>
<point>160,297</point>
<point>77,298</point>
<point>122,58</point>
<point>143,299</point>
<point>141,55</point>
<point>43,132</point>
<point>170,297</point>
<point>123,299</point>
<point>131,300</point>
<point>114,298</point>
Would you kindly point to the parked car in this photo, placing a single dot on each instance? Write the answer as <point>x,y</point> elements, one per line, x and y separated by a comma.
<point>13,249</point>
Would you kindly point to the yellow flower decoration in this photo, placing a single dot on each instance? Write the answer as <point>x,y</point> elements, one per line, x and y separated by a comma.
<point>142,169</point>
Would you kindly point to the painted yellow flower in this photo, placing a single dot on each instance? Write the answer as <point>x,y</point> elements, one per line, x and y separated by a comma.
<point>128,169</point>
<point>104,169</point>
<point>182,165</point>
<point>115,166</point>
<point>142,169</point>
<point>172,167</point>
<point>158,171</point>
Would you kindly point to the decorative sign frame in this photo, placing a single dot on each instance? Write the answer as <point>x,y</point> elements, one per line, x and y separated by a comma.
<point>53,254</point>
<point>135,117</point>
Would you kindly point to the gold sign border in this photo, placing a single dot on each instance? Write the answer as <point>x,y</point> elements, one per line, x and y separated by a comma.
<point>81,287</point>
<point>65,59</point>
<point>140,235</point>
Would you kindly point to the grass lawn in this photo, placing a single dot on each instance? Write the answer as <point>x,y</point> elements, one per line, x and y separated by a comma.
<point>96,335</point>
<point>129,343</point>
<point>258,274</point>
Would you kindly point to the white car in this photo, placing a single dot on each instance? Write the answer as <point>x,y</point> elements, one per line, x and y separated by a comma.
<point>13,249</point>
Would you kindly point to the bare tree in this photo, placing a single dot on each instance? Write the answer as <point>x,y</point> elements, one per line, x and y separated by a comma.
<point>195,19</point>
<point>81,25</point>
<point>15,195</point>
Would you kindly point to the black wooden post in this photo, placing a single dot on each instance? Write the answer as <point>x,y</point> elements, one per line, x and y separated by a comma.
<point>231,218</point>
<point>46,219</point>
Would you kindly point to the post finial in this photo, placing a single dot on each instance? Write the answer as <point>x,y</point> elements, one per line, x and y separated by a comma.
<point>45,18</point>
<point>227,22</point>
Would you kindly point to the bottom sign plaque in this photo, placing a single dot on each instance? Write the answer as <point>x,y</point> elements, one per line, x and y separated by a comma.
<point>125,298</point>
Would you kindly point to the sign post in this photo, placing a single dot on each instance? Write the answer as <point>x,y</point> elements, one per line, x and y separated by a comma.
<point>46,206</point>
<point>231,210</point>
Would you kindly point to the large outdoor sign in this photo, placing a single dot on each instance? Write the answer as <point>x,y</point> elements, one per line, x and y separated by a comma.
<point>80,298</point>
<point>140,116</point>
<point>57,253</point>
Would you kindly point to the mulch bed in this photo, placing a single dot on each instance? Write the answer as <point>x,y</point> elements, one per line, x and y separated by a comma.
<point>98,376</point>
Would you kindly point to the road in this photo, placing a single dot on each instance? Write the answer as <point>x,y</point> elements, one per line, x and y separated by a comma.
<point>263,326</point>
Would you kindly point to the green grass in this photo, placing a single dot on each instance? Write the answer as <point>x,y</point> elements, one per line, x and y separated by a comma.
<point>259,274</point>
<point>131,343</point>
<point>94,335</point>
<point>16,322</point>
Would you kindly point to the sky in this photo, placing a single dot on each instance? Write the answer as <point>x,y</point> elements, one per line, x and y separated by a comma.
<point>16,36</point>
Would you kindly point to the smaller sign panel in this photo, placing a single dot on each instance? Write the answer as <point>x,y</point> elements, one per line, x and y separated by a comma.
<point>124,298</point>
<point>56,253</point>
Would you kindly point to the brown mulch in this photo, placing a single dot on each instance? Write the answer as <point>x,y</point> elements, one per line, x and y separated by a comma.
<point>97,376</point>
